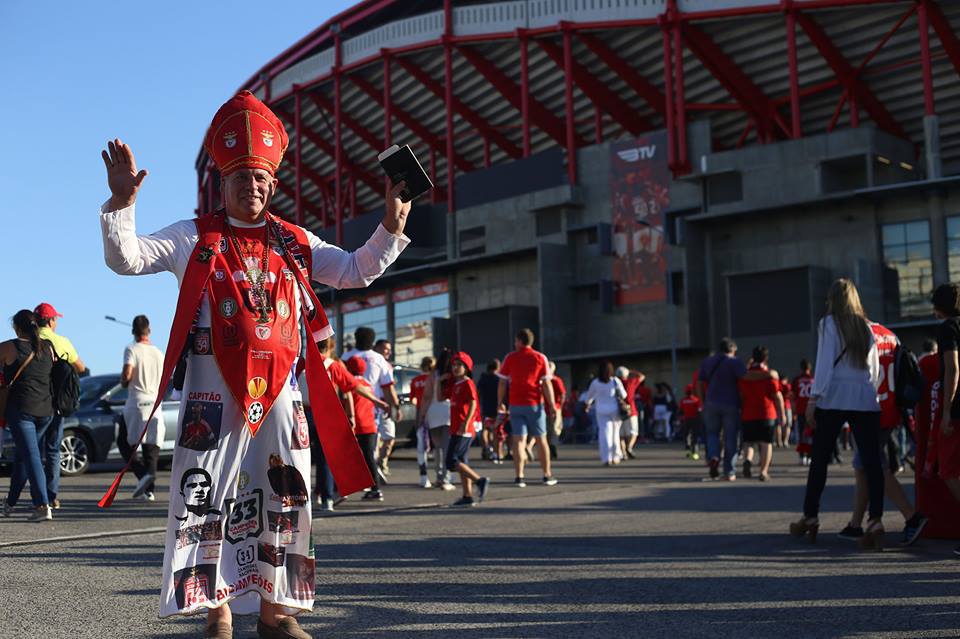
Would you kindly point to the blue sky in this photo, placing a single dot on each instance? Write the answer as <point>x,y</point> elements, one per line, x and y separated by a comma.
<point>77,74</point>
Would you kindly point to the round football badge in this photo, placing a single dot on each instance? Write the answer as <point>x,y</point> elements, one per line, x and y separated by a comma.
<point>228,307</point>
<point>283,309</point>
<point>257,387</point>
<point>243,480</point>
<point>263,332</point>
<point>219,275</point>
<point>255,412</point>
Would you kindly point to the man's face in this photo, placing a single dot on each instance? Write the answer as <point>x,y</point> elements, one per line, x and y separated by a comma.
<point>385,349</point>
<point>247,192</point>
<point>196,490</point>
<point>197,411</point>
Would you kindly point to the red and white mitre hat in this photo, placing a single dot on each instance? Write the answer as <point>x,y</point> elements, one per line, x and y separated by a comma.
<point>245,133</point>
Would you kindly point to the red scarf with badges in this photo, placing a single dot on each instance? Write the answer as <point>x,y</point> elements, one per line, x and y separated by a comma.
<point>334,431</point>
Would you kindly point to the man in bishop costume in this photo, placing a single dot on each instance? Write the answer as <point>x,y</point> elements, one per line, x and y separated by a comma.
<point>239,536</point>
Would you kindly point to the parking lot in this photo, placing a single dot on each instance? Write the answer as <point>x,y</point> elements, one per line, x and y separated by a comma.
<point>644,549</point>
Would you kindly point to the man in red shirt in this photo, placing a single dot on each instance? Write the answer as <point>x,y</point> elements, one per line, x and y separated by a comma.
<point>527,374</point>
<point>890,417</point>
<point>690,408</point>
<point>464,418</point>
<point>365,423</point>
<point>761,409</point>
<point>802,389</point>
<point>555,427</point>
<point>417,384</point>
<point>644,409</point>
<point>630,430</point>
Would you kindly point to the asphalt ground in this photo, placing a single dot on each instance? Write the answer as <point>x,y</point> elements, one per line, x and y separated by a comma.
<point>644,549</point>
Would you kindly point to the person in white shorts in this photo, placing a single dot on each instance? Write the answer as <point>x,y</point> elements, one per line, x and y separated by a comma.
<point>386,426</point>
<point>142,370</point>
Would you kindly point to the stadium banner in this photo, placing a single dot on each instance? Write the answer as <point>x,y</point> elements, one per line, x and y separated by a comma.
<point>640,188</point>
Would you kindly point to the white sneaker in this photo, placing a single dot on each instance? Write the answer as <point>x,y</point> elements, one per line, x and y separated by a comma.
<point>326,505</point>
<point>142,485</point>
<point>42,513</point>
<point>447,486</point>
<point>425,482</point>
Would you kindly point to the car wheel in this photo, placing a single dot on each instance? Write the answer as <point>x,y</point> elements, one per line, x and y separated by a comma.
<point>76,452</point>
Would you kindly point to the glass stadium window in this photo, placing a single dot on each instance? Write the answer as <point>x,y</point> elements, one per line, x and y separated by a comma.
<point>375,317</point>
<point>953,247</point>
<point>413,320</point>
<point>909,269</point>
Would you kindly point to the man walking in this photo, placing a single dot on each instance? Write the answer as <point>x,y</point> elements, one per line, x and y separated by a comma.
<point>386,424</point>
<point>50,438</point>
<point>717,388</point>
<point>142,370</point>
<point>527,374</point>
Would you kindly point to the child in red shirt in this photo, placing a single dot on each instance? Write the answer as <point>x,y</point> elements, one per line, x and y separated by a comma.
<point>761,410</point>
<point>365,423</point>
<point>690,408</point>
<point>464,413</point>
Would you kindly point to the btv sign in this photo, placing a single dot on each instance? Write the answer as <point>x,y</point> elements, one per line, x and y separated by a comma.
<point>640,192</point>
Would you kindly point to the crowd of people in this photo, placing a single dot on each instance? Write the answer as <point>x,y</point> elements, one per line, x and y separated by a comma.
<point>29,408</point>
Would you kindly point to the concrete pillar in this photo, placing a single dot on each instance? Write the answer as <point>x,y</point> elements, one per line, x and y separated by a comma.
<point>931,144</point>
<point>938,238</point>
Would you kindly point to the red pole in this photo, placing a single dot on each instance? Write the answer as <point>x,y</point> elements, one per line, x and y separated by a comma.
<point>854,109</point>
<point>338,142</point>
<point>434,194</point>
<point>353,196</point>
<point>387,115</point>
<point>668,94</point>
<point>794,73</point>
<point>486,152</point>
<point>568,94</point>
<point>448,97</point>
<point>524,91</point>
<point>683,162</point>
<point>928,104</point>
<point>597,125</point>
<point>297,157</point>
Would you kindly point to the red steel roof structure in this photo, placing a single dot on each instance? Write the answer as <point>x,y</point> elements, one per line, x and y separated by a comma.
<point>469,84</point>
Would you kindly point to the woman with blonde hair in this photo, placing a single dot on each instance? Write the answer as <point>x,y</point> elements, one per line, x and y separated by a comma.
<point>844,391</point>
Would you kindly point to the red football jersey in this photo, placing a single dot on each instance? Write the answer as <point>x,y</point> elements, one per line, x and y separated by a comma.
<point>757,397</point>
<point>787,391</point>
<point>631,386</point>
<point>559,390</point>
<point>363,411</point>
<point>887,343</point>
<point>525,369</point>
<point>416,388</point>
<point>928,411</point>
<point>464,391</point>
<point>690,406</point>
<point>802,389</point>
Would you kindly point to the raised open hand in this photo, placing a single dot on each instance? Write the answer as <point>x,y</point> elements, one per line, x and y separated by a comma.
<point>122,175</point>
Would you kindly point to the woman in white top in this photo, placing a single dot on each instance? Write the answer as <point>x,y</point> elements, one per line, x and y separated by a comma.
<point>844,391</point>
<point>436,413</point>
<point>605,390</point>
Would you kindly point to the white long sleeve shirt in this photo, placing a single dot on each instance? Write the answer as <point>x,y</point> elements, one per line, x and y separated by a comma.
<point>843,386</point>
<point>169,249</point>
<point>605,395</point>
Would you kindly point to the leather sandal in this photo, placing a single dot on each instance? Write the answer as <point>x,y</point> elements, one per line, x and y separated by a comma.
<point>286,628</point>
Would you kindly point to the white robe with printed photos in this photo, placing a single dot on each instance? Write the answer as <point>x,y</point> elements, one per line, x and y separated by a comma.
<point>231,537</point>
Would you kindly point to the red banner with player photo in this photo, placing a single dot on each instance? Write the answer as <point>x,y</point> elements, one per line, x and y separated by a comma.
<point>640,191</point>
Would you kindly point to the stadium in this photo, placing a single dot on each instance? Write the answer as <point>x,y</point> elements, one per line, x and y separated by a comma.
<point>632,179</point>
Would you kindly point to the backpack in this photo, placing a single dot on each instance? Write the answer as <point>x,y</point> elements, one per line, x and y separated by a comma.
<point>64,387</point>
<point>908,380</point>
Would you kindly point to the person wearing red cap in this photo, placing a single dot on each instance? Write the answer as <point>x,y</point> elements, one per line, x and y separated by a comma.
<point>245,295</point>
<point>464,417</point>
<point>52,437</point>
<point>365,421</point>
